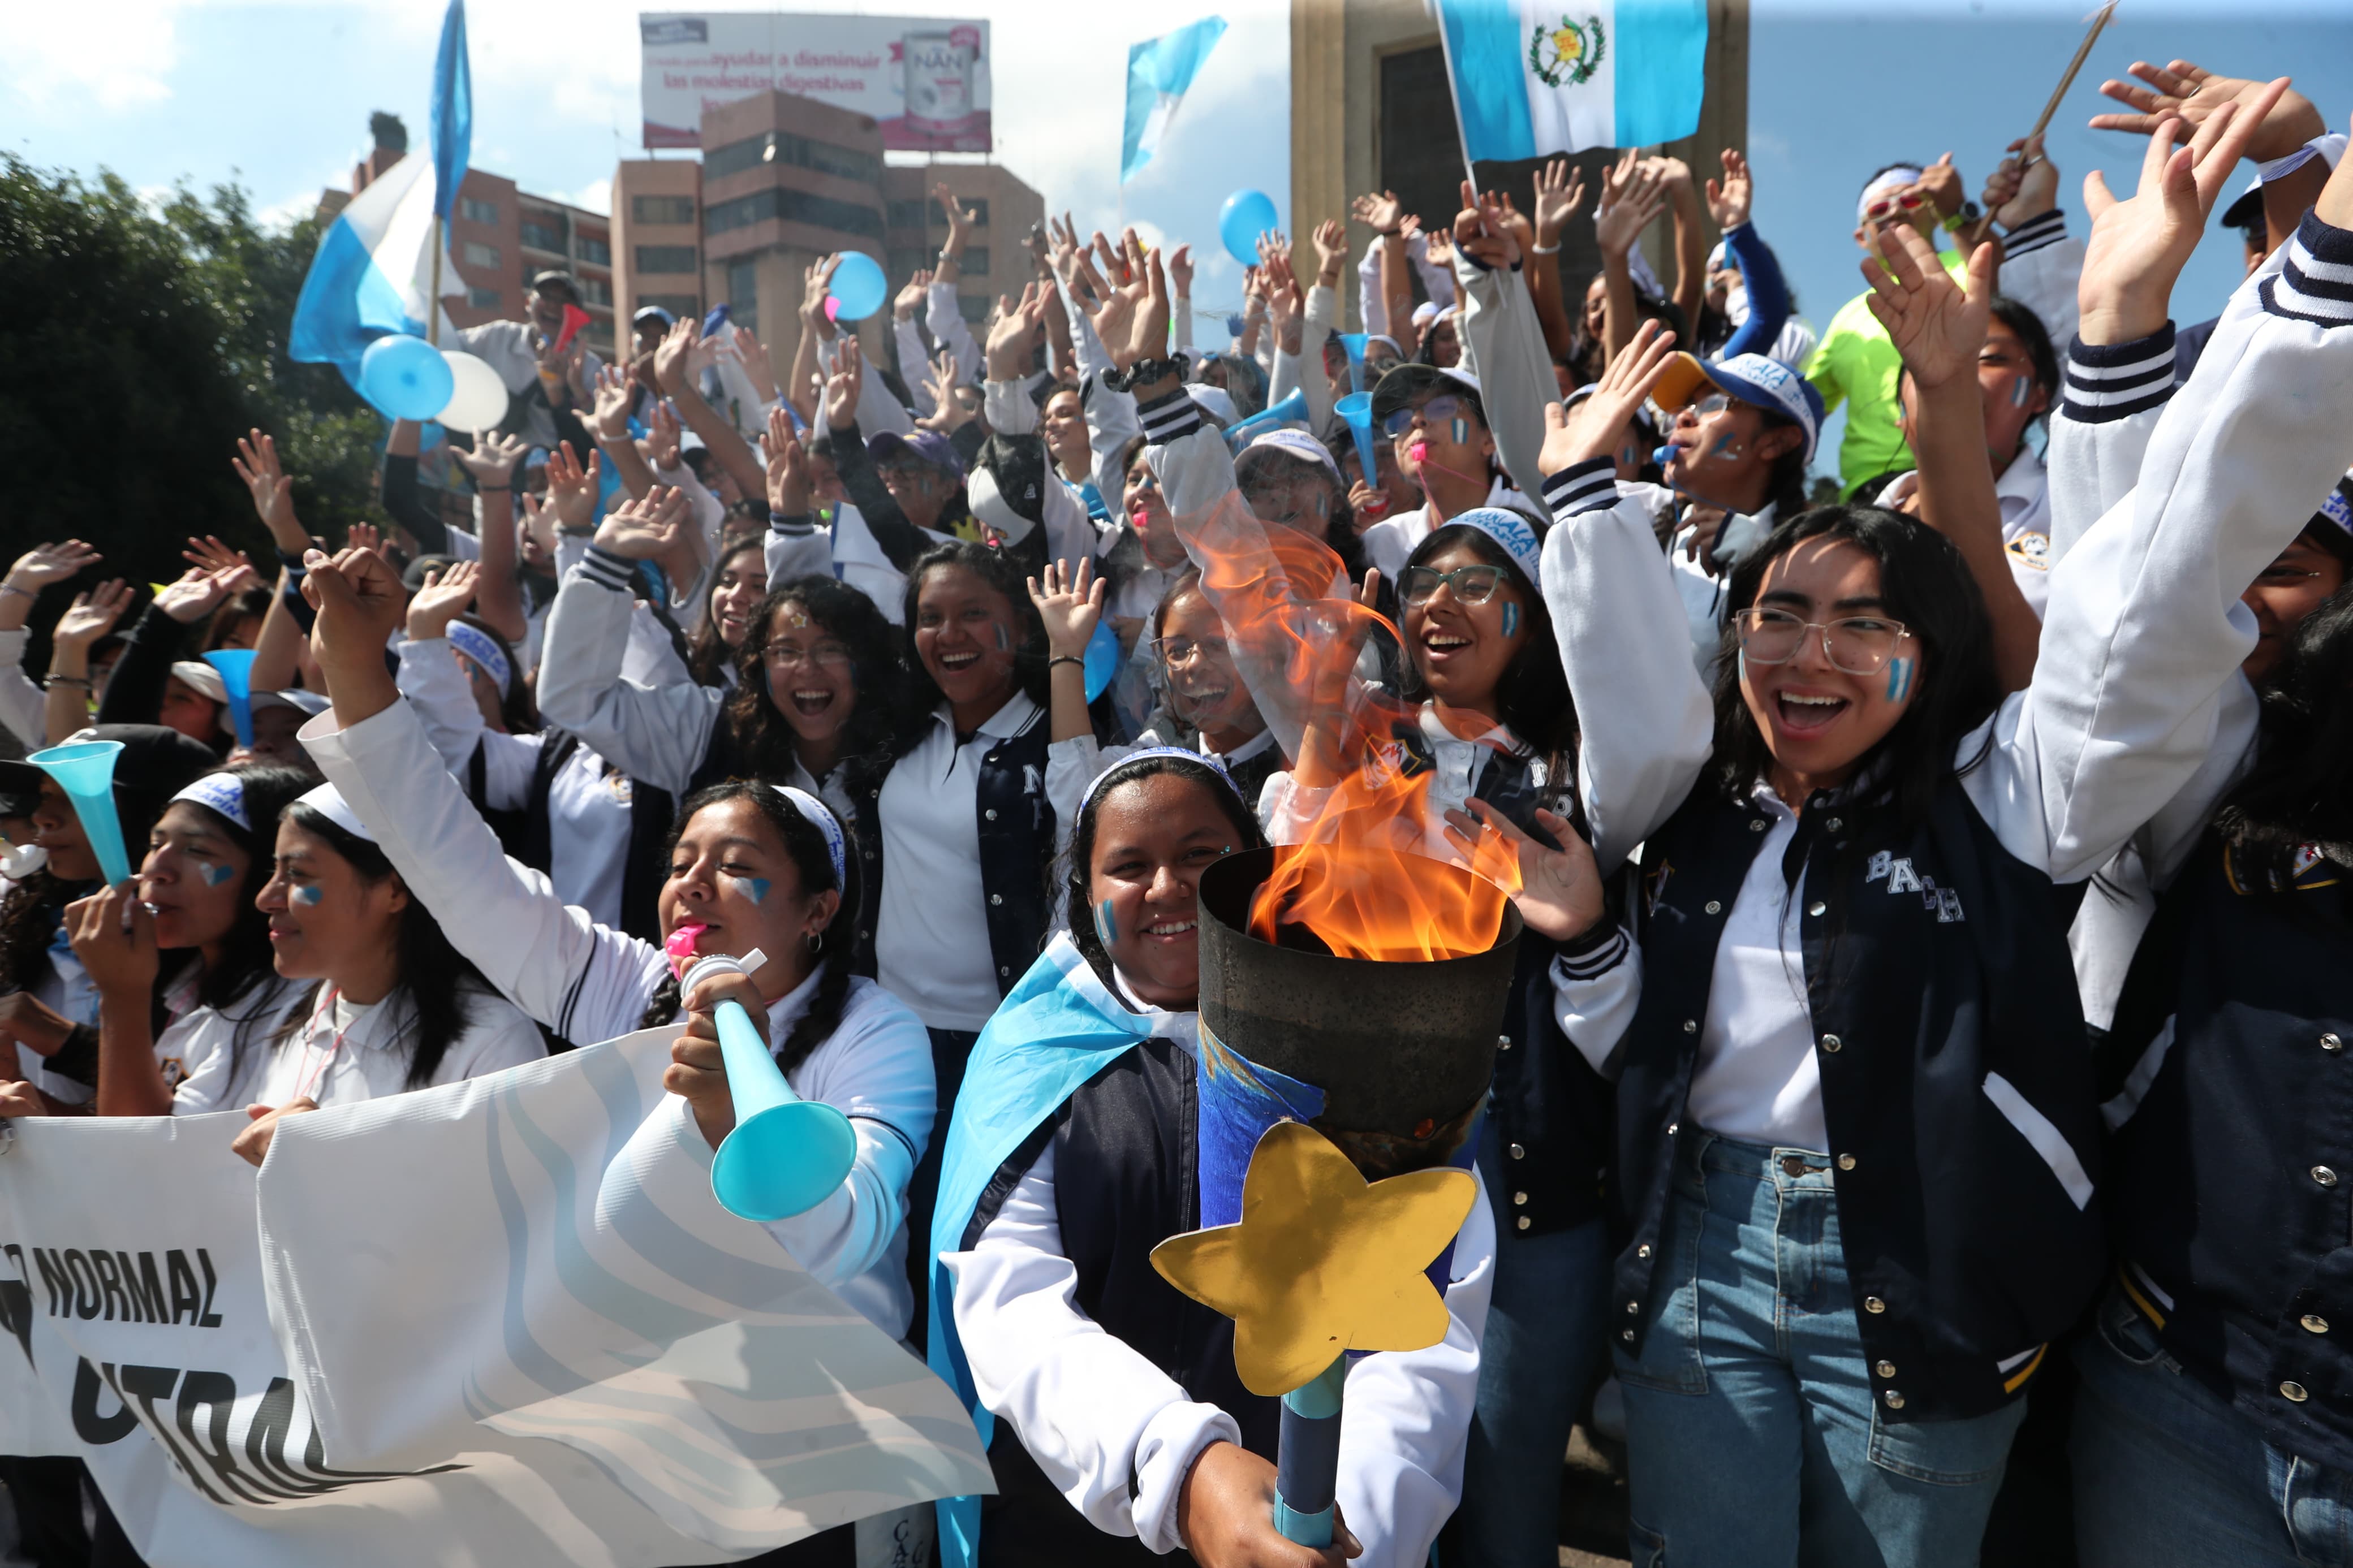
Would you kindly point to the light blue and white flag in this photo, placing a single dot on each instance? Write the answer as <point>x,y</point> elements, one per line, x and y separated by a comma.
<point>373,267</point>
<point>1158,71</point>
<point>1533,78</point>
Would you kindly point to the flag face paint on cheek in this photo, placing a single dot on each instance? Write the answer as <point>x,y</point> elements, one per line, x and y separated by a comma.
<point>306,895</point>
<point>2021,389</point>
<point>1511,619</point>
<point>1461,432</point>
<point>214,872</point>
<point>1004,638</point>
<point>1106,923</point>
<point>1899,679</point>
<point>753,887</point>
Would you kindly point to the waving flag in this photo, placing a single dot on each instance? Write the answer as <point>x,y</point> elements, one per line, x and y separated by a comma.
<point>1532,77</point>
<point>453,110</point>
<point>1158,71</point>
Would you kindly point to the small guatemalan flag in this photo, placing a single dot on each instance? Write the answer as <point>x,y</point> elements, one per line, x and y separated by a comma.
<point>1533,78</point>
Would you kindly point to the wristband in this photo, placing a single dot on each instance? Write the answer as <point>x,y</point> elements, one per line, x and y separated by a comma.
<point>49,680</point>
<point>1058,659</point>
<point>12,588</point>
<point>1145,372</point>
<point>1552,249</point>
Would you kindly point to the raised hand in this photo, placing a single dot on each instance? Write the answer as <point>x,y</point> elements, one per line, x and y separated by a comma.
<point>230,568</point>
<point>2193,93</point>
<point>273,493</point>
<point>677,347</point>
<point>2139,246</point>
<point>1937,324</point>
<point>1439,248</point>
<point>1632,197</point>
<point>753,355</point>
<point>663,434</point>
<point>1560,191</point>
<point>1132,318</point>
<point>644,527</point>
<point>816,284</point>
<point>1180,272</point>
<point>192,597</point>
<point>363,536</point>
<point>1481,233</point>
<point>843,387</point>
<point>493,460</point>
<point>961,218</point>
<point>1940,181</point>
<point>614,393</point>
<point>1728,198</point>
<point>1560,894</point>
<point>2023,185</point>
<point>571,489</point>
<point>1014,333</point>
<point>1593,427</point>
<point>46,563</point>
<point>789,476</point>
<point>442,598</point>
<point>1382,213</point>
<point>949,414</point>
<point>1070,604</point>
<point>910,299</point>
<point>361,604</point>
<point>92,615</point>
<point>1331,238</point>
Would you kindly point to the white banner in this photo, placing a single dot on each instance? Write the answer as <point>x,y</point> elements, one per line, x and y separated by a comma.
<point>503,1321</point>
<point>925,78</point>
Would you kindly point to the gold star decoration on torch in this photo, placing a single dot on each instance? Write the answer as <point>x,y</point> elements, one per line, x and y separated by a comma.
<point>1322,1261</point>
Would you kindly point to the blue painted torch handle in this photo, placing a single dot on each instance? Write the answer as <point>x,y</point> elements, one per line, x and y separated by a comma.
<point>1307,1458</point>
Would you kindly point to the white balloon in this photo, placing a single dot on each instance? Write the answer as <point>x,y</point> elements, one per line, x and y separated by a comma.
<point>479,401</point>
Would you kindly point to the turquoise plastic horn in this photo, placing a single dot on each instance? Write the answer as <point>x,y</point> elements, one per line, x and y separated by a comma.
<point>236,666</point>
<point>1291,410</point>
<point>1356,408</point>
<point>85,770</point>
<point>1355,343</point>
<point>786,1154</point>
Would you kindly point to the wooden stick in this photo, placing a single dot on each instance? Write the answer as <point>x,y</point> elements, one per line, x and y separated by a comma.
<point>2083,53</point>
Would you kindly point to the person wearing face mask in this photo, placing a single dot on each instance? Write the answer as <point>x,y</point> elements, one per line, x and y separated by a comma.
<point>46,995</point>
<point>750,867</point>
<point>1850,947</point>
<point>1854,363</point>
<point>1117,1427</point>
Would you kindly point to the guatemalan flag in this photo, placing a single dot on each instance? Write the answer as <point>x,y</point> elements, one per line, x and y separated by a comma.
<point>1158,71</point>
<point>373,268</point>
<point>1533,78</point>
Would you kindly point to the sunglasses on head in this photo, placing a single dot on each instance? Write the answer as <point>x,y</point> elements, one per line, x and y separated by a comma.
<point>1909,199</point>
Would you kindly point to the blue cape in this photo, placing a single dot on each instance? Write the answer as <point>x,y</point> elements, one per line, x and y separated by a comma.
<point>1057,1028</point>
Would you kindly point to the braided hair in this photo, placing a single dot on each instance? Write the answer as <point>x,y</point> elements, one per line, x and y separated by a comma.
<point>806,844</point>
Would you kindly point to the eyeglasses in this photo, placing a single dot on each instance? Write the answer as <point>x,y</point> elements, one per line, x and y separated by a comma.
<point>2283,574</point>
<point>823,655</point>
<point>1713,403</point>
<point>1471,585</point>
<point>1859,645</point>
<point>1432,413</point>
<point>1184,651</point>
<point>1911,199</point>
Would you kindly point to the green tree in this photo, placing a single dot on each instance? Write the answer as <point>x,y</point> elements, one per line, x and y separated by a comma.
<point>144,341</point>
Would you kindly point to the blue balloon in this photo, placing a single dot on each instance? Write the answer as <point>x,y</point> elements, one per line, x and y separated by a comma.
<point>857,287</point>
<point>1102,660</point>
<point>1245,216</point>
<point>406,377</point>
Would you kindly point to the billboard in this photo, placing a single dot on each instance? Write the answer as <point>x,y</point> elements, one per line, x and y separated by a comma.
<point>925,78</point>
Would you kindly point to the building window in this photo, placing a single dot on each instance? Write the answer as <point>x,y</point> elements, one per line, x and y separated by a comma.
<point>978,207</point>
<point>676,304</point>
<point>482,298</point>
<point>596,291</point>
<point>974,263</point>
<point>906,261</point>
<point>772,147</point>
<point>596,252</point>
<point>543,234</point>
<point>665,258</point>
<point>473,211</point>
<point>742,295</point>
<point>481,254</point>
<point>909,215</point>
<point>793,206</point>
<point>663,209</point>
<point>975,307</point>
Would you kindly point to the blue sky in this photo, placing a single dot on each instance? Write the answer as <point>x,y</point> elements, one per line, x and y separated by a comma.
<point>277,96</point>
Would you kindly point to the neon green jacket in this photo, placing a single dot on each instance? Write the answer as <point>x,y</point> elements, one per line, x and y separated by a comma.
<point>1857,364</point>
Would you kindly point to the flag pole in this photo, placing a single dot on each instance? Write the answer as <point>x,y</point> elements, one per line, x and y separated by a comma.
<point>433,305</point>
<point>2083,53</point>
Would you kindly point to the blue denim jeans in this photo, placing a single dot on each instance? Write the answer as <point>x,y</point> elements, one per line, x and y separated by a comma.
<point>1536,1363</point>
<point>1752,1433</point>
<point>2168,1473</point>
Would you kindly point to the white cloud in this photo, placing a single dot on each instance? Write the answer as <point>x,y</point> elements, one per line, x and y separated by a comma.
<point>595,197</point>
<point>112,54</point>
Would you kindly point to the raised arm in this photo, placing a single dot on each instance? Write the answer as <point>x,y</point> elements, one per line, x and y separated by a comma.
<point>499,596</point>
<point>1631,200</point>
<point>1691,239</point>
<point>66,703</point>
<point>22,706</point>
<point>1760,271</point>
<point>1560,193</point>
<point>1501,335</point>
<point>727,446</point>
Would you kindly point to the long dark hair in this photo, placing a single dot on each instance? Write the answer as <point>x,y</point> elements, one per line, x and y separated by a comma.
<point>999,571</point>
<point>706,650</point>
<point>439,981</point>
<point>1532,697</point>
<point>1927,585</point>
<point>1078,861</point>
<point>243,977</point>
<point>763,738</point>
<point>2297,795</point>
<point>516,709</point>
<point>806,844</point>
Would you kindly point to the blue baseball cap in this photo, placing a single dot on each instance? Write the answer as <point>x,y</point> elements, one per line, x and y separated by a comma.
<point>1751,378</point>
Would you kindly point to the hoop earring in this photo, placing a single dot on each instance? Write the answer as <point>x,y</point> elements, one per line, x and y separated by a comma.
<point>816,942</point>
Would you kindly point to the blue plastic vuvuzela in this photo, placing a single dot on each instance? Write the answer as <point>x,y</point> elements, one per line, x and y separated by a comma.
<point>85,770</point>
<point>236,666</point>
<point>786,1154</point>
<point>1356,408</point>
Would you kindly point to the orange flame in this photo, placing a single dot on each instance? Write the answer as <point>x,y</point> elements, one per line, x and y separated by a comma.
<point>1351,876</point>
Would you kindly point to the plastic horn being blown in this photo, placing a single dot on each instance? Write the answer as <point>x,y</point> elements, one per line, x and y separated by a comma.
<point>1357,409</point>
<point>1291,410</point>
<point>236,666</point>
<point>786,1154</point>
<point>85,770</point>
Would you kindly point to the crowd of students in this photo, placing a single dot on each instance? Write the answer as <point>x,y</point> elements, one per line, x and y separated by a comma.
<point>1934,902</point>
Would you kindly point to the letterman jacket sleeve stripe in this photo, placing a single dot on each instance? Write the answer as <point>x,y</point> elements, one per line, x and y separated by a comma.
<point>1171,418</point>
<point>607,570</point>
<point>2034,234</point>
<point>1582,486</point>
<point>2115,380</point>
<point>2316,282</point>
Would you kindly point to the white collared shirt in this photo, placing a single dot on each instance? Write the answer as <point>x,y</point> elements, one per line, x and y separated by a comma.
<point>1757,1080</point>
<point>343,1054</point>
<point>1391,541</point>
<point>931,937</point>
<point>2023,492</point>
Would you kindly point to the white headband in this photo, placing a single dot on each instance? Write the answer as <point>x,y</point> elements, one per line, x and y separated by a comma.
<point>222,793</point>
<point>1892,179</point>
<point>477,645</point>
<point>1511,531</point>
<point>821,817</point>
<point>1210,766</point>
<point>329,801</point>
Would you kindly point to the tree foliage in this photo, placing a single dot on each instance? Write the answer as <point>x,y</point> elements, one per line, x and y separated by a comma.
<point>144,340</point>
